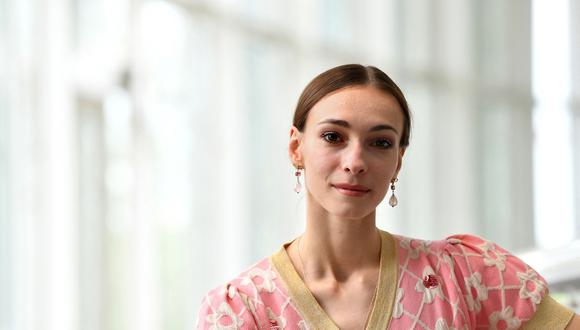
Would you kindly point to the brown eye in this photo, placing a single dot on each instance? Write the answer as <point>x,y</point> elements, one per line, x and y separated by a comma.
<point>383,143</point>
<point>331,137</point>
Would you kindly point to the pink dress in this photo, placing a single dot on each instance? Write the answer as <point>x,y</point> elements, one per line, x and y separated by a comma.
<point>462,282</point>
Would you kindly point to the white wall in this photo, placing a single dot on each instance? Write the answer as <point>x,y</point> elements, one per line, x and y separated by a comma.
<point>143,143</point>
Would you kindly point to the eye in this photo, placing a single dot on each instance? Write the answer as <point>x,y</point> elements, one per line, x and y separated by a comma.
<point>382,143</point>
<point>331,137</point>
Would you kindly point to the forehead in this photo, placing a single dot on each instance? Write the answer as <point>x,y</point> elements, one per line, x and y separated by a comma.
<point>360,105</point>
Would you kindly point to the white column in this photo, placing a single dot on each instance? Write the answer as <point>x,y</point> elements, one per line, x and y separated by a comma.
<point>553,190</point>
<point>144,303</point>
<point>234,117</point>
<point>575,75</point>
<point>504,141</point>
<point>57,255</point>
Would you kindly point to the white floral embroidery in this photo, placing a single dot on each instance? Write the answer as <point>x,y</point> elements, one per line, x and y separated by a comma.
<point>453,240</point>
<point>263,279</point>
<point>474,282</point>
<point>505,318</point>
<point>279,320</point>
<point>251,306</point>
<point>422,246</point>
<point>399,308</point>
<point>302,325</point>
<point>429,294</point>
<point>531,286</point>
<point>492,257</point>
<point>405,243</point>
<point>447,259</point>
<point>454,276</point>
<point>441,324</point>
<point>454,307</point>
<point>232,290</point>
<point>224,311</point>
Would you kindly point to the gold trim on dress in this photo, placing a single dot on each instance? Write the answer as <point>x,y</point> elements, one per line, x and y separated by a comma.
<point>311,310</point>
<point>550,314</point>
<point>387,286</point>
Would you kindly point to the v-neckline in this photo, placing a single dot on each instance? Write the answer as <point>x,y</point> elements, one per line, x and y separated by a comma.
<point>311,310</point>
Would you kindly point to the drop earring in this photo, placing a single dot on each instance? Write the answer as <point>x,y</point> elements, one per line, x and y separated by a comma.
<point>298,173</point>
<point>393,201</point>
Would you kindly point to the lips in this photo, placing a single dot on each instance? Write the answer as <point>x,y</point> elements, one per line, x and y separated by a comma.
<point>351,190</point>
<point>351,187</point>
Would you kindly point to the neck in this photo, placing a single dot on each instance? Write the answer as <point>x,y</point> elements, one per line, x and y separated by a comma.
<point>335,247</point>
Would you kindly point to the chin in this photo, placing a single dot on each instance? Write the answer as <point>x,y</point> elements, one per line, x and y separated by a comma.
<point>350,212</point>
<point>345,207</point>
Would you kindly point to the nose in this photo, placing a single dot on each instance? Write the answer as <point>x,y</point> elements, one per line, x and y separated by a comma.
<point>354,159</point>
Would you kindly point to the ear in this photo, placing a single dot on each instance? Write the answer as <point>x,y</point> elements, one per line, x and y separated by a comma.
<point>400,161</point>
<point>294,147</point>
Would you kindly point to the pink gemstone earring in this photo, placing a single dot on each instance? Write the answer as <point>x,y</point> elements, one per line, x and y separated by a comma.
<point>393,201</point>
<point>298,186</point>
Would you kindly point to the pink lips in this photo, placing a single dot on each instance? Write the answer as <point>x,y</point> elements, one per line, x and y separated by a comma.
<point>351,190</point>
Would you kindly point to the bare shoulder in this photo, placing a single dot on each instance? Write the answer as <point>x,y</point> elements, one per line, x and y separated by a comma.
<point>575,323</point>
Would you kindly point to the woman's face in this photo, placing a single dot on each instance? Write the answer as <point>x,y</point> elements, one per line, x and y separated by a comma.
<point>350,150</point>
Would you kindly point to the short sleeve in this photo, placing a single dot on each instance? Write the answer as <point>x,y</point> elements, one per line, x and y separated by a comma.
<point>225,308</point>
<point>500,290</point>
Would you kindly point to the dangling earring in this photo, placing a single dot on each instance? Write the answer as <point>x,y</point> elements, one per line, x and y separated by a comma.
<point>393,201</point>
<point>298,186</point>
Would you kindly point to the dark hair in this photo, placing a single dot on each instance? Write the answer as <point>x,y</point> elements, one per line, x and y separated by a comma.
<point>345,76</point>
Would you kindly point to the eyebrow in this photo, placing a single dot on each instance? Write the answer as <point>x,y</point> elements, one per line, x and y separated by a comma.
<point>344,123</point>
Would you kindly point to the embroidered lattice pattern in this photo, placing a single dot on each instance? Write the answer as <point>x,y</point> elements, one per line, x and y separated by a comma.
<point>463,282</point>
<point>480,285</point>
<point>256,299</point>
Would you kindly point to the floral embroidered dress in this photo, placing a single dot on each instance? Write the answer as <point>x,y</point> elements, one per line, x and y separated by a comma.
<point>462,282</point>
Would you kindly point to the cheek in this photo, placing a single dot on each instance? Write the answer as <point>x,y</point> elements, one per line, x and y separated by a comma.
<point>384,171</point>
<point>321,163</point>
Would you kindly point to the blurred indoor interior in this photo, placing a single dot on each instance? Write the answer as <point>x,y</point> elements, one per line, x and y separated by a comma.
<point>142,142</point>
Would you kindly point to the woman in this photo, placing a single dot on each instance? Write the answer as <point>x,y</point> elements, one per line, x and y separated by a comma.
<point>348,138</point>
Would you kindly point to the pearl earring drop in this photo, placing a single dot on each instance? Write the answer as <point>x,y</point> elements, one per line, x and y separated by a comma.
<point>298,173</point>
<point>393,201</point>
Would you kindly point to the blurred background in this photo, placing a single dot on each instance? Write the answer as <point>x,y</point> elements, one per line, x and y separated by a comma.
<point>143,143</point>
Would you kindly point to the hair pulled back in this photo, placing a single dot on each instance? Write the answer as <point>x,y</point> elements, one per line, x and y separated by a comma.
<point>350,75</point>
